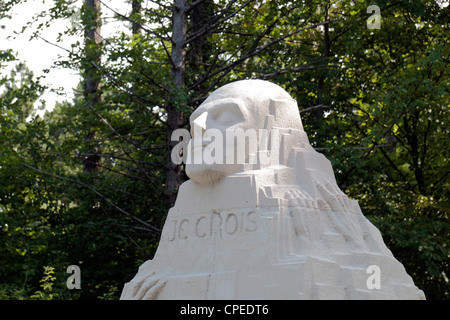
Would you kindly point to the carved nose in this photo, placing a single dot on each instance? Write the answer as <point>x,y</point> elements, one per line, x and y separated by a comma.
<point>199,125</point>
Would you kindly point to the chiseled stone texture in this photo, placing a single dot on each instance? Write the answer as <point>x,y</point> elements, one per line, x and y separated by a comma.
<point>276,231</point>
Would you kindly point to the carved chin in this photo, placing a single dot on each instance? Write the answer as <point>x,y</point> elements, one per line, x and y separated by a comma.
<point>205,176</point>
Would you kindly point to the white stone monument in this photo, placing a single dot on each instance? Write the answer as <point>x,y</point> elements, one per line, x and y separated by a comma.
<point>267,222</point>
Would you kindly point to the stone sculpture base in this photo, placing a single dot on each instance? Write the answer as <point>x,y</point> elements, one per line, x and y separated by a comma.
<point>281,230</point>
<point>274,242</point>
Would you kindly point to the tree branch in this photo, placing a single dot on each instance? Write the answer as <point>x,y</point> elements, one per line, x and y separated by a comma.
<point>319,106</point>
<point>386,145</point>
<point>154,229</point>
<point>156,34</point>
<point>392,164</point>
<point>307,66</point>
<point>256,50</point>
<point>194,4</point>
<point>217,21</point>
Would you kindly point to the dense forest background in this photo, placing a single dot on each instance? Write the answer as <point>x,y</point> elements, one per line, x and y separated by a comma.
<point>90,182</point>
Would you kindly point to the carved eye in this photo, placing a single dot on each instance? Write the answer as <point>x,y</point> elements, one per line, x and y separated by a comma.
<point>226,117</point>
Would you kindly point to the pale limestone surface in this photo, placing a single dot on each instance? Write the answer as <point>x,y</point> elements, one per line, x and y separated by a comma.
<point>282,230</point>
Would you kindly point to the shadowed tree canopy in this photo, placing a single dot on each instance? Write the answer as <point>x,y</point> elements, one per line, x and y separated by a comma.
<point>90,182</point>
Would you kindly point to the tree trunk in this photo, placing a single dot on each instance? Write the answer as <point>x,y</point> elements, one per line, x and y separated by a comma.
<point>136,8</point>
<point>92,78</point>
<point>174,115</point>
<point>199,50</point>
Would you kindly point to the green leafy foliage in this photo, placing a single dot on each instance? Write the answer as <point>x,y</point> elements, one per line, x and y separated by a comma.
<point>374,101</point>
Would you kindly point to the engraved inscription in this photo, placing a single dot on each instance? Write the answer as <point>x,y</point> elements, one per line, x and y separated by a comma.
<point>231,223</point>
<point>215,224</point>
<point>199,225</point>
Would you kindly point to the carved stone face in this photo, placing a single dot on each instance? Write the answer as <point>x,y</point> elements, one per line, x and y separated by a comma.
<point>242,105</point>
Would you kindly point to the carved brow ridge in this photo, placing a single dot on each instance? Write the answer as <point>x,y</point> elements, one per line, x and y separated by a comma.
<point>222,105</point>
